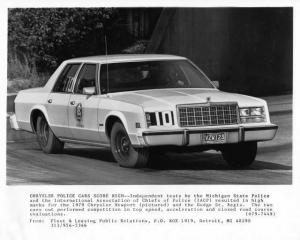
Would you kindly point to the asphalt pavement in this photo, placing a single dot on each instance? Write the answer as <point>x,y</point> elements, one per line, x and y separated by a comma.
<point>84,165</point>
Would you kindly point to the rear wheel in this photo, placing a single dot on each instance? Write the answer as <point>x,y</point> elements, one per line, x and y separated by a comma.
<point>240,155</point>
<point>46,138</point>
<point>123,151</point>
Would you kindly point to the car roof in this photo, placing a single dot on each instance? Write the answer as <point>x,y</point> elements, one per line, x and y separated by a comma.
<point>124,58</point>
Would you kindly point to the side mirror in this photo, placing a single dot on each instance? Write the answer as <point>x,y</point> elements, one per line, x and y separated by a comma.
<point>89,90</point>
<point>216,83</point>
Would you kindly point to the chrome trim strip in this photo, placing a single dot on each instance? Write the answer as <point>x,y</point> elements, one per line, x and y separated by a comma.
<point>241,134</point>
<point>206,104</point>
<point>262,128</point>
<point>177,132</point>
<point>240,129</point>
<point>186,137</point>
<point>163,133</point>
<point>214,130</point>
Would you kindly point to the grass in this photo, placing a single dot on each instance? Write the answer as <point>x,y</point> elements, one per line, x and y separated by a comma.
<point>22,75</point>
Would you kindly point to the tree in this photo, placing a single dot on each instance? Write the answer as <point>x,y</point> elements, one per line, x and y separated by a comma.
<point>47,36</point>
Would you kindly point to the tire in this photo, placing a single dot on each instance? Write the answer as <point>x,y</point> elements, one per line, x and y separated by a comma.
<point>48,142</point>
<point>123,151</point>
<point>240,155</point>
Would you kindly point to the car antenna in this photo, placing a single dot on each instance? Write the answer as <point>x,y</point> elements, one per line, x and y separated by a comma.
<point>107,81</point>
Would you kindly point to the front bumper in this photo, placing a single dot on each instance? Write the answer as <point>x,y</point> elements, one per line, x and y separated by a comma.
<point>188,137</point>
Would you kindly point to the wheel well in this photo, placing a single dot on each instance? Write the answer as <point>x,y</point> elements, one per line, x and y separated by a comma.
<point>109,124</point>
<point>33,117</point>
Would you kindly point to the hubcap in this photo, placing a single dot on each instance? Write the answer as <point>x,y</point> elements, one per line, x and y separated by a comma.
<point>123,145</point>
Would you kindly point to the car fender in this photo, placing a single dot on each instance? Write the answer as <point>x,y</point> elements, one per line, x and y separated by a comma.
<point>42,109</point>
<point>119,115</point>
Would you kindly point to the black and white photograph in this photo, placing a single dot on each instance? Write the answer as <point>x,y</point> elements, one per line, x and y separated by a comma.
<point>149,120</point>
<point>150,95</point>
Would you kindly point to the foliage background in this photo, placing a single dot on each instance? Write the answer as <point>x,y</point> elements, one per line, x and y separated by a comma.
<point>39,39</point>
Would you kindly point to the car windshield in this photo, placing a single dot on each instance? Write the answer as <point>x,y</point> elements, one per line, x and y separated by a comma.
<point>132,76</point>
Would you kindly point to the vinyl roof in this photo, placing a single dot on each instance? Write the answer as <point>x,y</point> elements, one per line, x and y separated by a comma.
<point>124,58</point>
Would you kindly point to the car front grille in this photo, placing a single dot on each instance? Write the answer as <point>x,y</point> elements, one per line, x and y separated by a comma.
<point>207,115</point>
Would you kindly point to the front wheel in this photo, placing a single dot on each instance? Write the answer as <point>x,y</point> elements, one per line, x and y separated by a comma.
<point>46,138</point>
<point>123,151</point>
<point>240,155</point>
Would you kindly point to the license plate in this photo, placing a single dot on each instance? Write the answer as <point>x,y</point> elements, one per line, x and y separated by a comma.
<point>214,138</point>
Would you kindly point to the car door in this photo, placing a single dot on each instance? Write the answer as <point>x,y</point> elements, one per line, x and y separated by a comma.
<point>58,101</point>
<point>83,106</point>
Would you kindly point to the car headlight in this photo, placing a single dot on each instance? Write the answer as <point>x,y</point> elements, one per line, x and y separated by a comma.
<point>151,119</point>
<point>252,115</point>
<point>257,111</point>
<point>165,118</point>
<point>244,112</point>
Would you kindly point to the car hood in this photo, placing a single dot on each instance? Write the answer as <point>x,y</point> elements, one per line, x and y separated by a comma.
<point>169,98</point>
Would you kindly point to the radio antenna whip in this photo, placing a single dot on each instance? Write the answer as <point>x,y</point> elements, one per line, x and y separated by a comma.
<point>107,81</point>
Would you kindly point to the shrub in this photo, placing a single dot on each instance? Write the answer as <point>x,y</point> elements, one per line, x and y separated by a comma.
<point>137,48</point>
<point>50,35</point>
<point>21,74</point>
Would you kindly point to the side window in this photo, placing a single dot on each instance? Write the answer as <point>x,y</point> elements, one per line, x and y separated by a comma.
<point>66,78</point>
<point>86,78</point>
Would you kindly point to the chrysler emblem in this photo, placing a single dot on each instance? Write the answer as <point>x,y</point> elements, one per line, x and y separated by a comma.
<point>208,99</point>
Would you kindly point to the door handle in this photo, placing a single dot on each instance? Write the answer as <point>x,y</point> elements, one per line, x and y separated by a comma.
<point>49,100</point>
<point>72,102</point>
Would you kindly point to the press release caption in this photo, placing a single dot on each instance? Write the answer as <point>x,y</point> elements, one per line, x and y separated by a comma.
<point>82,210</point>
